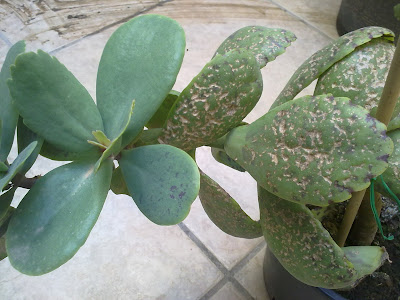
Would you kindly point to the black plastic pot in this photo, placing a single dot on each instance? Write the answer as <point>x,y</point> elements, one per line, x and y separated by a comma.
<point>355,14</point>
<point>281,285</point>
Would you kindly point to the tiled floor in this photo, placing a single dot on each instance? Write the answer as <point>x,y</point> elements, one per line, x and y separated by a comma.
<point>126,256</point>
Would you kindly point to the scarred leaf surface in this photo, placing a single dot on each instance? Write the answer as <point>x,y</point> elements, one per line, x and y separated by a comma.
<point>312,150</point>
<point>264,43</point>
<point>307,251</point>
<point>225,212</point>
<point>216,101</point>
<point>323,59</point>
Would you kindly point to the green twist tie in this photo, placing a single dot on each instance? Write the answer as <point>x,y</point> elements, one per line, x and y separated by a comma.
<point>373,207</point>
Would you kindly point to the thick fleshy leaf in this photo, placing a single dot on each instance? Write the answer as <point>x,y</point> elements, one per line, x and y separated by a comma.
<point>53,103</point>
<point>162,180</point>
<point>56,216</point>
<point>54,153</point>
<point>225,212</point>
<point>223,158</point>
<point>8,113</point>
<point>159,118</point>
<point>264,43</point>
<point>361,75</point>
<point>312,150</point>
<point>25,136</point>
<point>307,251</point>
<point>140,62</point>
<point>323,59</point>
<point>3,167</point>
<point>216,101</point>
<point>5,201</point>
<point>118,184</point>
<point>3,252</point>
<point>17,165</point>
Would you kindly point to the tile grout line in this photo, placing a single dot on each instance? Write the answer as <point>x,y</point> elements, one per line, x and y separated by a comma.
<point>302,20</point>
<point>161,3</point>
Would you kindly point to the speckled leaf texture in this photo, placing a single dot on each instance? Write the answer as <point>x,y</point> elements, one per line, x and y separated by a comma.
<point>313,150</point>
<point>307,251</point>
<point>323,59</point>
<point>162,180</point>
<point>361,75</point>
<point>216,101</point>
<point>264,43</point>
<point>225,212</point>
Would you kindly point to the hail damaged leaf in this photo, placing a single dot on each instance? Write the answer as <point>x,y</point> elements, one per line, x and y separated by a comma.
<point>264,43</point>
<point>307,251</point>
<point>118,184</point>
<point>162,180</point>
<point>323,59</point>
<point>225,212</point>
<point>8,113</point>
<point>56,216</point>
<point>216,101</point>
<point>53,103</point>
<point>140,61</point>
<point>361,75</point>
<point>223,158</point>
<point>159,118</point>
<point>312,150</point>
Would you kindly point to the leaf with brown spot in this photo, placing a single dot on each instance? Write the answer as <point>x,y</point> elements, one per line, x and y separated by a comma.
<point>323,59</point>
<point>264,43</point>
<point>312,150</point>
<point>216,101</point>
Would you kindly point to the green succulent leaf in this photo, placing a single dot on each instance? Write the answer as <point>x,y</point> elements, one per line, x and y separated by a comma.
<point>313,150</point>
<point>53,103</point>
<point>162,180</point>
<point>5,201</point>
<point>396,10</point>
<point>3,252</point>
<point>323,59</point>
<point>56,216</point>
<point>17,165</point>
<point>216,101</point>
<point>3,167</point>
<point>361,75</point>
<point>118,184</point>
<point>223,158</point>
<point>140,61</point>
<point>225,212</point>
<point>159,118</point>
<point>60,154</point>
<point>264,43</point>
<point>8,113</point>
<point>307,251</point>
<point>25,136</point>
<point>101,138</point>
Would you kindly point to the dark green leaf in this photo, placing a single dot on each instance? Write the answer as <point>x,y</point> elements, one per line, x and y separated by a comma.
<point>162,180</point>
<point>3,252</point>
<point>396,10</point>
<point>54,153</point>
<point>53,103</point>
<point>223,158</point>
<point>140,62</point>
<point>56,216</point>
<point>118,184</point>
<point>3,167</point>
<point>8,113</point>
<point>159,118</point>
<point>5,201</point>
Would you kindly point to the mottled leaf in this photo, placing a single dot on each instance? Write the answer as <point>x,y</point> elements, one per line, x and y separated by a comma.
<point>216,101</point>
<point>118,184</point>
<point>312,150</point>
<point>162,180</point>
<point>223,158</point>
<point>159,118</point>
<point>307,251</point>
<point>225,212</point>
<point>140,62</point>
<point>53,103</point>
<point>323,59</point>
<point>8,113</point>
<point>264,43</point>
<point>56,216</point>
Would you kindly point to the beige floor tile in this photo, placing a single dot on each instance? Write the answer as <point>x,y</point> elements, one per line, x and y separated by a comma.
<point>251,277</point>
<point>228,292</point>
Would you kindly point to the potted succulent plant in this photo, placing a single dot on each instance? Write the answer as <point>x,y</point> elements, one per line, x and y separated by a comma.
<point>307,153</point>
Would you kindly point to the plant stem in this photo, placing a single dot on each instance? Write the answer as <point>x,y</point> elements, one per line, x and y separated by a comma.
<point>390,94</point>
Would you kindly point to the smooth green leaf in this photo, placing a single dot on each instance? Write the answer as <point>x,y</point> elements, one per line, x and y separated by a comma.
<point>101,138</point>
<point>223,158</point>
<point>216,101</point>
<point>159,118</point>
<point>396,10</point>
<point>17,165</point>
<point>361,75</point>
<point>3,252</point>
<point>53,103</point>
<point>264,43</point>
<point>307,251</point>
<point>323,59</point>
<point>162,180</point>
<point>56,216</point>
<point>225,212</point>
<point>55,153</point>
<point>313,150</point>
<point>3,167</point>
<point>148,137</point>
<point>140,61</point>
<point>5,202</point>
<point>8,113</point>
<point>118,184</point>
